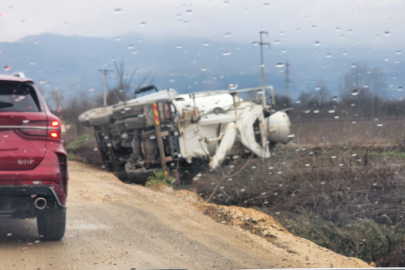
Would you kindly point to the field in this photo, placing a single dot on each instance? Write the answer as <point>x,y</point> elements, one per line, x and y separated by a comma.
<point>339,184</point>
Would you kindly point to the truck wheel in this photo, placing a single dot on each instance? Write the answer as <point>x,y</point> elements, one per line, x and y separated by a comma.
<point>51,224</point>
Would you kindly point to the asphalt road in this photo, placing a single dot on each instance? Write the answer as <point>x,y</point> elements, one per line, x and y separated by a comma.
<point>112,225</point>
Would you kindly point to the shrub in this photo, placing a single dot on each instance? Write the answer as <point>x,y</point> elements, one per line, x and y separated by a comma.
<point>159,177</point>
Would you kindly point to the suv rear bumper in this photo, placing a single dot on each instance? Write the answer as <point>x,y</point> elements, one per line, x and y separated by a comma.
<point>18,201</point>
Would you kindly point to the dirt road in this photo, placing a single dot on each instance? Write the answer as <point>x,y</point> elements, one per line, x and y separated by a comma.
<point>112,225</point>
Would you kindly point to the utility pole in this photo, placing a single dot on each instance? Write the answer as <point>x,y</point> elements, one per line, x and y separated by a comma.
<point>287,80</point>
<point>105,73</point>
<point>261,43</point>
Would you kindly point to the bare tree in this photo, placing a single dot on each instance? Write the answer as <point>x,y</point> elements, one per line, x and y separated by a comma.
<point>56,97</point>
<point>362,87</point>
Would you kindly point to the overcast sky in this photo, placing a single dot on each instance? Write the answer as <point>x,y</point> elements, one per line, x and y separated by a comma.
<point>292,22</point>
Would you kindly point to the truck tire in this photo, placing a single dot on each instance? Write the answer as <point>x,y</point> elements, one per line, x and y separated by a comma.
<point>96,116</point>
<point>51,224</point>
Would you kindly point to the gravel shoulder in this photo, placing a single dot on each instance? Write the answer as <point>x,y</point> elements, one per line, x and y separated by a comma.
<point>112,225</point>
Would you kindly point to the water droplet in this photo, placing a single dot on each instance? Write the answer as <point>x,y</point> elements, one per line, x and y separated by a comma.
<point>204,69</point>
<point>283,51</point>
<point>42,81</point>
<point>398,52</point>
<point>380,125</point>
<point>134,52</point>
<point>266,4</point>
<point>118,10</point>
<point>179,46</point>
<point>337,117</point>
<point>317,88</point>
<point>227,35</point>
<point>331,111</point>
<point>317,43</point>
<point>298,101</point>
<point>91,89</point>
<point>130,47</point>
<point>355,92</point>
<point>142,24</point>
<point>32,63</point>
<point>387,33</point>
<point>307,111</point>
<point>316,111</point>
<point>189,11</point>
<point>353,65</point>
<point>291,136</point>
<point>314,27</point>
<point>226,3</point>
<point>399,88</point>
<point>232,86</point>
<point>206,44</point>
<point>95,149</point>
<point>328,55</point>
<point>7,68</point>
<point>9,234</point>
<point>226,53</point>
<point>117,38</point>
<point>277,42</point>
<point>335,98</point>
<point>337,29</point>
<point>279,65</point>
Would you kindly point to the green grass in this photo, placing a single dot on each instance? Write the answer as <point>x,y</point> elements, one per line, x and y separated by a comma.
<point>79,142</point>
<point>159,177</point>
<point>71,157</point>
<point>390,154</point>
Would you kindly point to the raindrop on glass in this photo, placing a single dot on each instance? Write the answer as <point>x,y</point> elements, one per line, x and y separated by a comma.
<point>118,10</point>
<point>232,86</point>
<point>226,53</point>
<point>355,92</point>
<point>317,43</point>
<point>279,65</point>
<point>227,35</point>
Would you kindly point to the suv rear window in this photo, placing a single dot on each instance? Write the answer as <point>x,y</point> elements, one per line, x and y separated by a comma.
<point>18,97</point>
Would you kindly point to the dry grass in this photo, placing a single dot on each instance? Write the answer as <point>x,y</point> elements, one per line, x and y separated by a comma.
<point>348,199</point>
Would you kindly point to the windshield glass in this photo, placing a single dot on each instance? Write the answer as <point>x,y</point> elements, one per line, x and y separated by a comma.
<point>276,139</point>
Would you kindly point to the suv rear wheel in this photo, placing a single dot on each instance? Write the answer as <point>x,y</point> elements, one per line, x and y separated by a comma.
<point>51,224</point>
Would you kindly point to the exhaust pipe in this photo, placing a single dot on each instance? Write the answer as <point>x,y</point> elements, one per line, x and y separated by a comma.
<point>40,203</point>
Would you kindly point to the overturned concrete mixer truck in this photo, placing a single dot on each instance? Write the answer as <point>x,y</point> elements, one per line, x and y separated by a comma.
<point>164,130</point>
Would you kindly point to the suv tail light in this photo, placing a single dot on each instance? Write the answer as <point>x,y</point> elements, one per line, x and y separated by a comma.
<point>42,129</point>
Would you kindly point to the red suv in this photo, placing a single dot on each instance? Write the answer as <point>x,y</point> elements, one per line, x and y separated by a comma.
<point>33,166</point>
